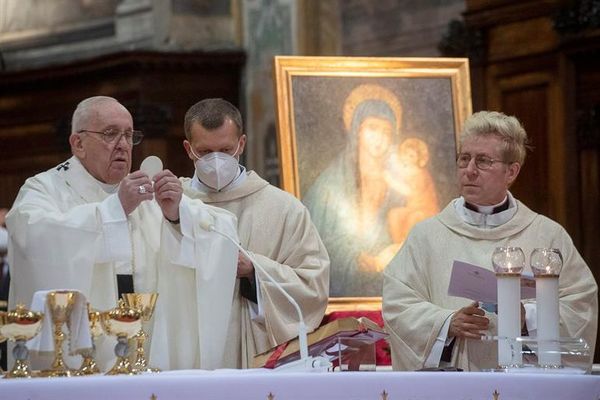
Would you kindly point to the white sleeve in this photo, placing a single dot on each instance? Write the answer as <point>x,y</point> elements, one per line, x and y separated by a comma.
<point>531,318</point>
<point>115,231</point>
<point>257,311</point>
<point>433,360</point>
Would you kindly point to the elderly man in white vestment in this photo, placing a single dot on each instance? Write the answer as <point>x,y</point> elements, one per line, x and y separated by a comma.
<point>83,223</point>
<point>273,226</point>
<point>427,327</point>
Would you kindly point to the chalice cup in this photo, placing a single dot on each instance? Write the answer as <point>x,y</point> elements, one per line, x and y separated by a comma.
<point>145,303</point>
<point>19,326</point>
<point>60,304</point>
<point>123,322</point>
<point>88,365</point>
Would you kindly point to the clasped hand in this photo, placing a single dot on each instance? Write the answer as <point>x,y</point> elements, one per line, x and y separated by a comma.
<point>137,187</point>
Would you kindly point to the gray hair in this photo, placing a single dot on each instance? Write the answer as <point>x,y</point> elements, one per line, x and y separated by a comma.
<point>211,114</point>
<point>506,128</point>
<point>87,110</point>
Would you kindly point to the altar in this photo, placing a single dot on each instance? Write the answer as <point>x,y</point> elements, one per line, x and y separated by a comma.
<point>269,385</point>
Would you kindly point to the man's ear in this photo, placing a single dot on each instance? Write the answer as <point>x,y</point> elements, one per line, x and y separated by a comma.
<point>77,146</point>
<point>188,149</point>
<point>512,172</point>
<point>242,144</point>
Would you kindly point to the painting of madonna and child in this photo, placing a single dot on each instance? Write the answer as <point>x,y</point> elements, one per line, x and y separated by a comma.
<point>369,147</point>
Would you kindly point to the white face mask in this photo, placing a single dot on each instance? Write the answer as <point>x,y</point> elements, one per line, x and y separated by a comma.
<point>216,170</point>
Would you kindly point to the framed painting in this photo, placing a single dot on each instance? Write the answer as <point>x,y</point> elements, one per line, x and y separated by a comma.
<point>369,146</point>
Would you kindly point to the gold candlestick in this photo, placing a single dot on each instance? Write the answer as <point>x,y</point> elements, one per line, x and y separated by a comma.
<point>123,322</point>
<point>61,305</point>
<point>20,325</point>
<point>145,303</point>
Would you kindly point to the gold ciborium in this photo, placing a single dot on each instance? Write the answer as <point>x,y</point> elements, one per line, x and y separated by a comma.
<point>20,325</point>
<point>88,365</point>
<point>144,303</point>
<point>123,322</point>
<point>60,304</point>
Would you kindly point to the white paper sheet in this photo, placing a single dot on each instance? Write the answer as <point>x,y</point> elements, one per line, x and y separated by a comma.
<point>480,284</point>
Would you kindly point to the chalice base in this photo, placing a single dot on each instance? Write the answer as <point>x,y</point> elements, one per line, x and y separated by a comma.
<point>20,370</point>
<point>122,367</point>
<point>140,365</point>
<point>144,369</point>
<point>58,369</point>
<point>88,367</point>
<point>56,373</point>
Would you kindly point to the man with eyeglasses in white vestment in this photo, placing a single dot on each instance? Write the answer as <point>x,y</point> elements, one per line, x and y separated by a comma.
<point>91,225</point>
<point>430,329</point>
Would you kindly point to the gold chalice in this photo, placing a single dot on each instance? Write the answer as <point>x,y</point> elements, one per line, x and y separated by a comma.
<point>88,365</point>
<point>145,303</point>
<point>123,322</point>
<point>60,304</point>
<point>20,325</point>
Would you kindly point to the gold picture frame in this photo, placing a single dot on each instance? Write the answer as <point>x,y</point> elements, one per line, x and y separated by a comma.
<point>369,145</point>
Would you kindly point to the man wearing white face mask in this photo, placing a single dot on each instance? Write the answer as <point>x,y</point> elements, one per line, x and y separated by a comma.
<point>272,224</point>
<point>217,170</point>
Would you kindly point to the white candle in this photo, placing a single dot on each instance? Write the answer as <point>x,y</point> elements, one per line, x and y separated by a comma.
<point>548,320</point>
<point>546,265</point>
<point>508,264</point>
<point>509,320</point>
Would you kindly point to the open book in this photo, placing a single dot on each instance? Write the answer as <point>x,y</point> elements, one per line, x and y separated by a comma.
<point>344,337</point>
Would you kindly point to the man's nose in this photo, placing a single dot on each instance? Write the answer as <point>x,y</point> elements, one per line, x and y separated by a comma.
<point>122,142</point>
<point>471,167</point>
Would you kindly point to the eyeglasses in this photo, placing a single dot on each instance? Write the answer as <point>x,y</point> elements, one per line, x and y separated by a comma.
<point>481,161</point>
<point>110,135</point>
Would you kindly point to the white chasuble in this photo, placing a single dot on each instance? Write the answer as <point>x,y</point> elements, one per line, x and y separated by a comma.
<point>66,231</point>
<point>276,228</point>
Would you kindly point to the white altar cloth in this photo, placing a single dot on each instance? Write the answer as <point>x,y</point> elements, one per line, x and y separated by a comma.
<point>258,384</point>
